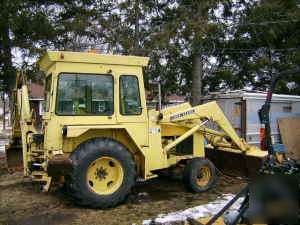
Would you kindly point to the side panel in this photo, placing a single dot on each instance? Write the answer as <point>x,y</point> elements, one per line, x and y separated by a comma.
<point>156,158</point>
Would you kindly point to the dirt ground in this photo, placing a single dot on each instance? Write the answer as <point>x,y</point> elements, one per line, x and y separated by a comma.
<point>21,203</point>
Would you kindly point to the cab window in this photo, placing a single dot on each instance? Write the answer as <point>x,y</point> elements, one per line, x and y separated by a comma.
<point>85,94</point>
<point>130,102</point>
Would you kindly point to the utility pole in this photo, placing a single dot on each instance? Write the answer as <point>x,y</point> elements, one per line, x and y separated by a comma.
<point>159,96</point>
<point>4,109</point>
<point>270,62</point>
<point>158,83</point>
<point>2,96</point>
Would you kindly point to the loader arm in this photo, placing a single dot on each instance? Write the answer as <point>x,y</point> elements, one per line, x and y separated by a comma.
<point>194,117</point>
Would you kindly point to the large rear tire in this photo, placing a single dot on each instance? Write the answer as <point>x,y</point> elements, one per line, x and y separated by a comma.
<point>103,173</point>
<point>199,175</point>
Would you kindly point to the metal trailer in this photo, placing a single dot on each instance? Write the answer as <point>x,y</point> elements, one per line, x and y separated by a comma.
<point>241,108</point>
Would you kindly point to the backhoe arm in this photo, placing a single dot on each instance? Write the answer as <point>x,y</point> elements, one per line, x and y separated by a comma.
<point>16,151</point>
<point>21,110</point>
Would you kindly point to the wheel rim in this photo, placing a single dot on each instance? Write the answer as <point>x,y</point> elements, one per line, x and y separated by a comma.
<point>203,176</point>
<point>105,175</point>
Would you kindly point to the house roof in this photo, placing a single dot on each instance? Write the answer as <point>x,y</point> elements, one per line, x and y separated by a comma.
<point>175,98</point>
<point>36,91</point>
<point>245,94</point>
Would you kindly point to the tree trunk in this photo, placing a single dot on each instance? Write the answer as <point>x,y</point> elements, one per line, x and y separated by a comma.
<point>8,74</point>
<point>197,79</point>
<point>136,46</point>
<point>8,69</point>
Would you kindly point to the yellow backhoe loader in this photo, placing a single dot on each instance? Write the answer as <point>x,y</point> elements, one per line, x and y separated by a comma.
<point>98,137</point>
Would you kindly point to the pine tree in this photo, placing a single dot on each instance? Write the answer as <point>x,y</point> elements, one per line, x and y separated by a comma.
<point>31,27</point>
<point>265,42</point>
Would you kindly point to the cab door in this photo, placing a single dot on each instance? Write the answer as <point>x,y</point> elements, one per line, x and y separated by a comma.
<point>132,111</point>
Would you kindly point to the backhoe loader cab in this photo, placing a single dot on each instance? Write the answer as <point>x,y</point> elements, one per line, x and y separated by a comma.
<point>98,136</point>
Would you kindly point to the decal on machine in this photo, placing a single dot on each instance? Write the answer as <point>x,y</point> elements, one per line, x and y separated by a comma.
<point>154,130</point>
<point>180,115</point>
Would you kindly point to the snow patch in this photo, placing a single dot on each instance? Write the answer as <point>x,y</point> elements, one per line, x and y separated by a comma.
<point>197,212</point>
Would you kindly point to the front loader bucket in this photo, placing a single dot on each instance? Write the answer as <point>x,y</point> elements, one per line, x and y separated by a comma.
<point>14,158</point>
<point>235,164</point>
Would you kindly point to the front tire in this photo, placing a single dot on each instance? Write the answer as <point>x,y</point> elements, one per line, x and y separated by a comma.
<point>103,173</point>
<point>199,175</point>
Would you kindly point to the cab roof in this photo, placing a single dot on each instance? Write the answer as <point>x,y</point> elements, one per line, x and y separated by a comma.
<point>51,57</point>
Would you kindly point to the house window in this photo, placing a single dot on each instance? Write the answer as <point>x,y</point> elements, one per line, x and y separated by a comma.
<point>287,109</point>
